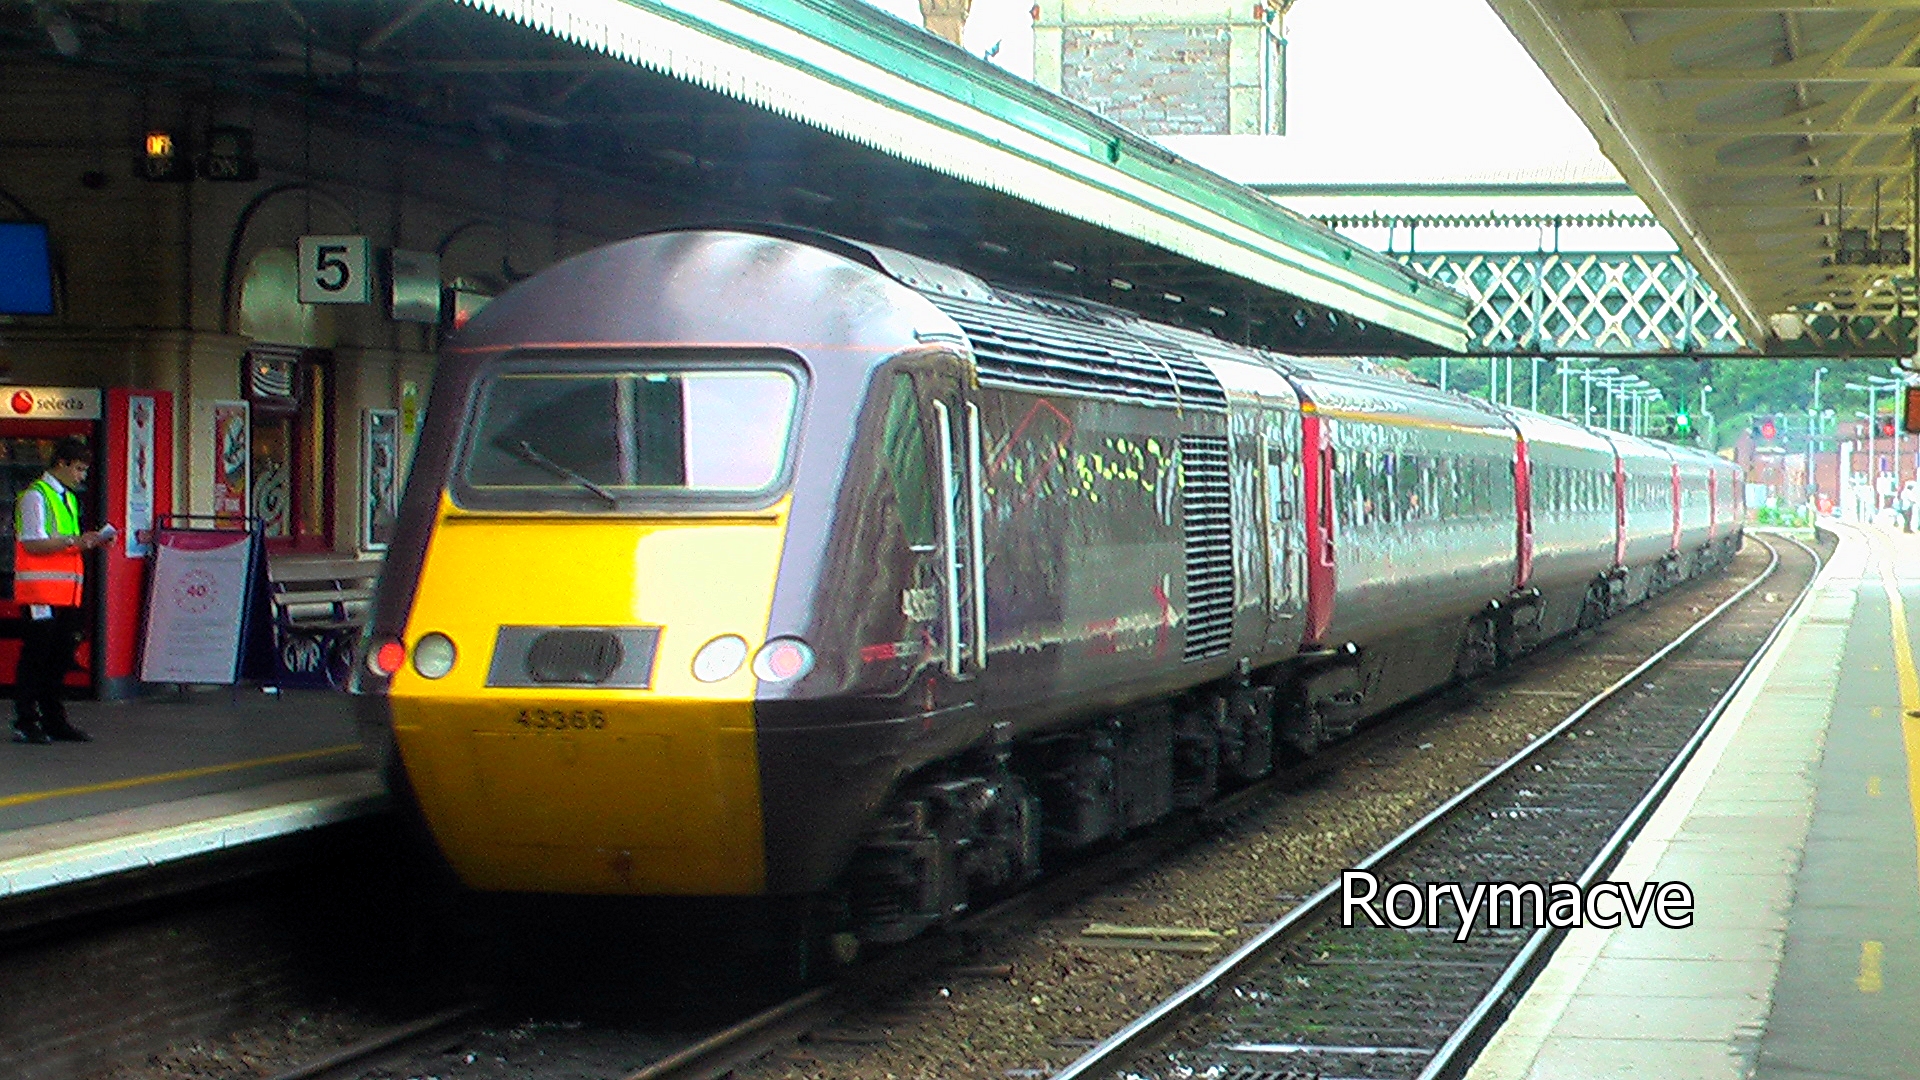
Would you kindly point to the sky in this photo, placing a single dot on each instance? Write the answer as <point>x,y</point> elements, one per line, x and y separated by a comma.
<point>1420,70</point>
<point>1393,90</point>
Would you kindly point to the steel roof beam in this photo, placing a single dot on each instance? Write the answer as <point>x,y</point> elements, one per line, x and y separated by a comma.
<point>1783,73</point>
<point>372,42</point>
<point>1833,127</point>
<point>1708,172</point>
<point>1755,6</point>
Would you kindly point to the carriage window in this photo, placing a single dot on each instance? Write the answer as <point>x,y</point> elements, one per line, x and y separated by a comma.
<point>632,433</point>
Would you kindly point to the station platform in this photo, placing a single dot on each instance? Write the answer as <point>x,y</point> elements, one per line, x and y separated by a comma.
<point>1795,826</point>
<point>172,777</point>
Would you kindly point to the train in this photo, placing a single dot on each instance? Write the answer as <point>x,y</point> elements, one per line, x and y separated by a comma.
<point>754,562</point>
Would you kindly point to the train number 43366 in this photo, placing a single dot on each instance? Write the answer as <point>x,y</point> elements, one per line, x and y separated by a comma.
<point>561,719</point>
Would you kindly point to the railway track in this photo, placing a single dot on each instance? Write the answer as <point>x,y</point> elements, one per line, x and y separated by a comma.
<point>731,1048</point>
<point>1310,996</point>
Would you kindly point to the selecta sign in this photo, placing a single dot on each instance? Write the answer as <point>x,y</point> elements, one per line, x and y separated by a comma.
<point>49,403</point>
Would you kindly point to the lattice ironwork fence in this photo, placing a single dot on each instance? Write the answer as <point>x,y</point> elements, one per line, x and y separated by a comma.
<point>1571,302</point>
<point>1548,302</point>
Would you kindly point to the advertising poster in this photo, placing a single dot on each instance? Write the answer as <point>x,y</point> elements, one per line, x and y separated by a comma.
<point>139,473</point>
<point>196,607</point>
<point>379,483</point>
<point>231,453</point>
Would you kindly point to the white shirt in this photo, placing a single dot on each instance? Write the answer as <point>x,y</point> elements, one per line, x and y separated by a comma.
<point>33,526</point>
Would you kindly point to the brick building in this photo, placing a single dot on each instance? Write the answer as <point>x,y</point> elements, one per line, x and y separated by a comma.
<point>1168,67</point>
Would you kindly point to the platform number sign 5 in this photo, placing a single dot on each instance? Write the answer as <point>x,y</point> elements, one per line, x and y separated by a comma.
<point>335,270</point>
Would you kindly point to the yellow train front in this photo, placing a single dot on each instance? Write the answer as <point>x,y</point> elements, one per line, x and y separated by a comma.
<point>576,626</point>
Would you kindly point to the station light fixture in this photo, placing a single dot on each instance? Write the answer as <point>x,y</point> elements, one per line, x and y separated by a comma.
<point>1853,247</point>
<point>1871,247</point>
<point>1890,247</point>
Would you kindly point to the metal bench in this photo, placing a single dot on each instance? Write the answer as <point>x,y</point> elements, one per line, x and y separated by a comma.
<point>319,606</point>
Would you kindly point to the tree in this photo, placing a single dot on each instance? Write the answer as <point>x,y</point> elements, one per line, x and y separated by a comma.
<point>1745,389</point>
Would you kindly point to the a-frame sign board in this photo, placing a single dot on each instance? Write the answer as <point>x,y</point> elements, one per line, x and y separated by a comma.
<point>208,617</point>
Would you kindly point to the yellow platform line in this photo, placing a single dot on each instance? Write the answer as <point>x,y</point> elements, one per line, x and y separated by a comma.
<point>183,774</point>
<point>1909,681</point>
<point>1869,981</point>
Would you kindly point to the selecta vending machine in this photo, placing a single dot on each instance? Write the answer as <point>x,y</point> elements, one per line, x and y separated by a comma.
<point>130,433</point>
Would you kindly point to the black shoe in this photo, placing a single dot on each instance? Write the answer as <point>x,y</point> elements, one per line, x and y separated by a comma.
<point>30,733</point>
<point>61,731</point>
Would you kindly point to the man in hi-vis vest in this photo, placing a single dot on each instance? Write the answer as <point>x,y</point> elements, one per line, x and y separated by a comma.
<point>48,574</point>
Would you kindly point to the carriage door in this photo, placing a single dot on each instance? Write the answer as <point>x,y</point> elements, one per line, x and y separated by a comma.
<point>960,496</point>
<point>1283,527</point>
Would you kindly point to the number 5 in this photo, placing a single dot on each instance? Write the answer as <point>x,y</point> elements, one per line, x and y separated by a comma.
<point>327,258</point>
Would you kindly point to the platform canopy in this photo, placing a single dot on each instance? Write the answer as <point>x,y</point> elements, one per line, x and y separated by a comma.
<point>1775,139</point>
<point>820,113</point>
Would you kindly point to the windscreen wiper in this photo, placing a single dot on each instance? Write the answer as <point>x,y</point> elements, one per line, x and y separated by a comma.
<point>525,452</point>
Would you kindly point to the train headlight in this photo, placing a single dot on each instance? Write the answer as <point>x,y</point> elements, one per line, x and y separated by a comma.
<point>782,659</point>
<point>386,658</point>
<point>720,658</point>
<point>433,655</point>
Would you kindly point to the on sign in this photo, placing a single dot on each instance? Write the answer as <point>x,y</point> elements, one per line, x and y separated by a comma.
<point>335,270</point>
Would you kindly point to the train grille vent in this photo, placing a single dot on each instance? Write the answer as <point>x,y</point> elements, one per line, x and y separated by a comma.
<point>1032,350</point>
<point>1207,516</point>
<point>574,656</point>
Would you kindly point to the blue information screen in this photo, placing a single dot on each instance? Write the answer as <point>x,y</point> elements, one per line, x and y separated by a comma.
<point>26,269</point>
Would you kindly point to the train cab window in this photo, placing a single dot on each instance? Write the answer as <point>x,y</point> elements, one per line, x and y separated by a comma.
<point>610,436</point>
<point>904,443</point>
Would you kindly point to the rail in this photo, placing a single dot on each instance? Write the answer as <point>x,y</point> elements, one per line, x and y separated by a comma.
<point>1107,1057</point>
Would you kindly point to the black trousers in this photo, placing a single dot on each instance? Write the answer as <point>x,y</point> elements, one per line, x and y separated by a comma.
<point>46,655</point>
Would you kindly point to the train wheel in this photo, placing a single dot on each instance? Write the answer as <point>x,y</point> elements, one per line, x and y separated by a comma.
<point>1302,730</point>
<point>819,941</point>
<point>1197,752</point>
<point>1479,649</point>
<point>1593,610</point>
<point>903,879</point>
